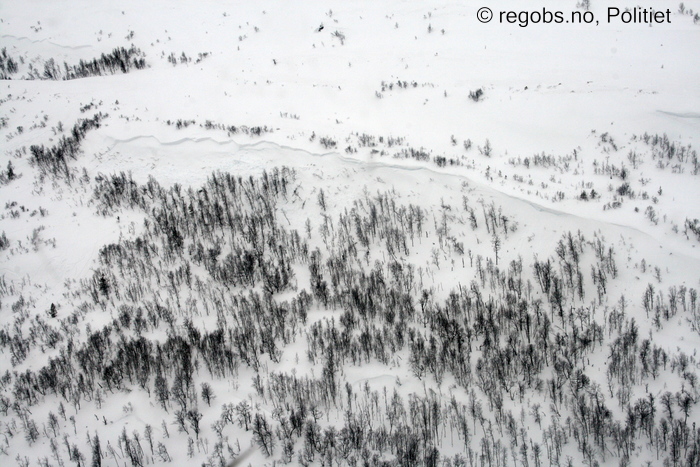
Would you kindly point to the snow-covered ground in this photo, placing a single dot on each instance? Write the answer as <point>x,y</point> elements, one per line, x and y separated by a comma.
<point>401,175</point>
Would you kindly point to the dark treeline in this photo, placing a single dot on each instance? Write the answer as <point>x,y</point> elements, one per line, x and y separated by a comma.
<point>120,60</point>
<point>8,65</point>
<point>229,129</point>
<point>54,160</point>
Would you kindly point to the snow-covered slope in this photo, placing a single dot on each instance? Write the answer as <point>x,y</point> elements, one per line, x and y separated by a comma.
<point>344,233</point>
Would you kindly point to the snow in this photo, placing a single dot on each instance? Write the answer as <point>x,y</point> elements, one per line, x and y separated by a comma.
<point>555,90</point>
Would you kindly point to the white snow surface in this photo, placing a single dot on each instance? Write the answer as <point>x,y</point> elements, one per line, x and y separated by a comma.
<point>548,90</point>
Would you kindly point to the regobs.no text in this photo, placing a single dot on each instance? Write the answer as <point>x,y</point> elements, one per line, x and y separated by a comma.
<point>614,15</point>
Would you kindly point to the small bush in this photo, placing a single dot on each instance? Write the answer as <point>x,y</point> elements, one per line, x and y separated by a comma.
<point>327,142</point>
<point>624,190</point>
<point>476,95</point>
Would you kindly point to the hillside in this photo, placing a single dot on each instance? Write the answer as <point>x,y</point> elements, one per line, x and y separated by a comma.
<point>348,233</point>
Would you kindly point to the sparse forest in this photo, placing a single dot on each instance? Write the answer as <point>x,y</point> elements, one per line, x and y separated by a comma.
<point>216,286</point>
<point>376,236</point>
